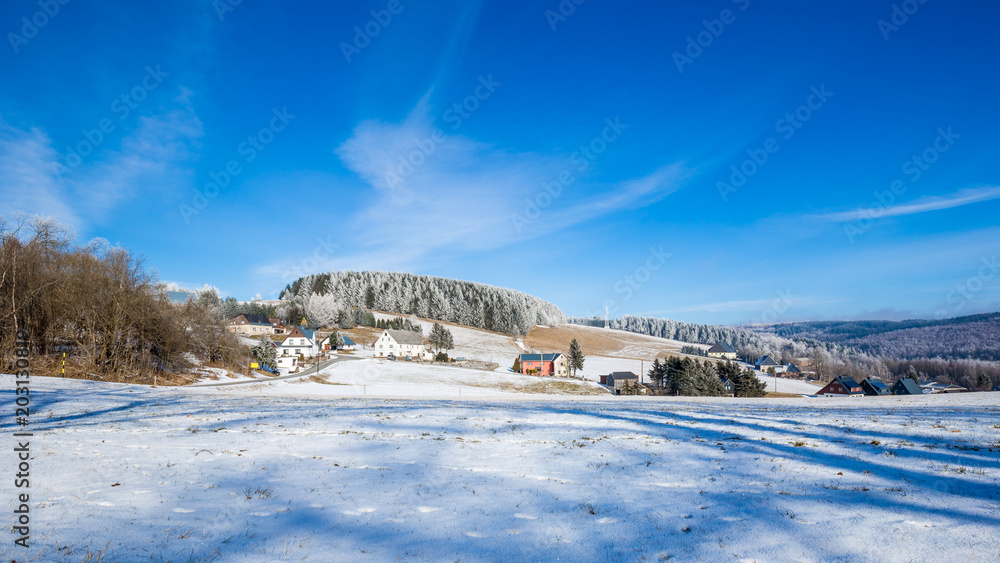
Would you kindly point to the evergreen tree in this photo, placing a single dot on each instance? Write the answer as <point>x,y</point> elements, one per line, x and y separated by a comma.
<point>441,338</point>
<point>728,370</point>
<point>264,354</point>
<point>337,340</point>
<point>517,364</point>
<point>657,373</point>
<point>345,320</point>
<point>575,356</point>
<point>749,385</point>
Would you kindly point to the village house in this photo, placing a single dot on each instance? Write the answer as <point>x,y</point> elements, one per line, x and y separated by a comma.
<point>300,341</point>
<point>250,325</point>
<point>618,379</point>
<point>766,362</point>
<point>873,387</point>
<point>722,351</point>
<point>545,364</point>
<point>402,344</point>
<point>906,386</point>
<point>842,386</point>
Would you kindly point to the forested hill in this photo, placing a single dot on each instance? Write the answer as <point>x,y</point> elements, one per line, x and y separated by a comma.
<point>843,331</point>
<point>972,337</point>
<point>461,302</point>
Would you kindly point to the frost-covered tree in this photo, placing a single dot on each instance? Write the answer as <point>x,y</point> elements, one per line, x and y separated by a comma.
<point>467,303</point>
<point>441,338</point>
<point>264,354</point>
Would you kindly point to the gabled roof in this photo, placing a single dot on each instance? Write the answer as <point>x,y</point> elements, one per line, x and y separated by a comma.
<point>406,337</point>
<point>623,375</point>
<point>846,381</point>
<point>766,361</point>
<point>722,348</point>
<point>875,385</point>
<point>793,368</point>
<point>257,320</point>
<point>906,386</point>
<point>299,332</point>
<point>349,342</point>
<point>727,383</point>
<point>540,357</point>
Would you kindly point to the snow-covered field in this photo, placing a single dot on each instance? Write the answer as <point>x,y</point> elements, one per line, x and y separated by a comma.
<point>246,474</point>
<point>409,380</point>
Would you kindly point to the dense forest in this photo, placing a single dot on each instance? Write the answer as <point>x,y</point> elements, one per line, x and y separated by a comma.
<point>98,305</point>
<point>971,337</point>
<point>324,296</point>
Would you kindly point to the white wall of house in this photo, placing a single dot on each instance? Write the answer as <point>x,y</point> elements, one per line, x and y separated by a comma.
<point>387,345</point>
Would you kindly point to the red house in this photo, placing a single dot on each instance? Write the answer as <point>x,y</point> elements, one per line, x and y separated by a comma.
<point>544,364</point>
<point>842,386</point>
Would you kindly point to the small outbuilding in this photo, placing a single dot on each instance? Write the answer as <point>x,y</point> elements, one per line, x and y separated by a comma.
<point>728,388</point>
<point>618,379</point>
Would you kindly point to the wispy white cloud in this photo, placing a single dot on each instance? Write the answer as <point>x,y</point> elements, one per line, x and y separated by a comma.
<point>148,160</point>
<point>467,195</point>
<point>922,205</point>
<point>29,185</point>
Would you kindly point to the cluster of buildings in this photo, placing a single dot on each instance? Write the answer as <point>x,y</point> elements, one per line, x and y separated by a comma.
<point>845,386</point>
<point>766,364</point>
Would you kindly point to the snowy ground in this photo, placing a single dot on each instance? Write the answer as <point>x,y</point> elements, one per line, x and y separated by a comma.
<point>409,380</point>
<point>242,474</point>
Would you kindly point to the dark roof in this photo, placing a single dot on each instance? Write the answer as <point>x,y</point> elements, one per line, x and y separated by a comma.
<point>847,381</point>
<point>766,361</point>
<point>874,386</point>
<point>793,368</point>
<point>727,383</point>
<point>722,348</point>
<point>540,357</point>
<point>349,342</point>
<point>906,386</point>
<point>406,337</point>
<point>623,375</point>
<point>257,319</point>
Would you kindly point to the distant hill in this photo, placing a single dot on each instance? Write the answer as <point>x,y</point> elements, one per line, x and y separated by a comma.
<point>465,303</point>
<point>969,337</point>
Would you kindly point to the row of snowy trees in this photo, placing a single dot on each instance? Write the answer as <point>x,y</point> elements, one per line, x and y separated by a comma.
<point>323,296</point>
<point>687,377</point>
<point>751,345</point>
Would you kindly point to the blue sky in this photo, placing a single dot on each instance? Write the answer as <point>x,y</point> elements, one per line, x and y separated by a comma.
<point>590,153</point>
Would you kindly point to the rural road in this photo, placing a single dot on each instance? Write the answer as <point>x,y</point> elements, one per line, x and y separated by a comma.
<point>308,372</point>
